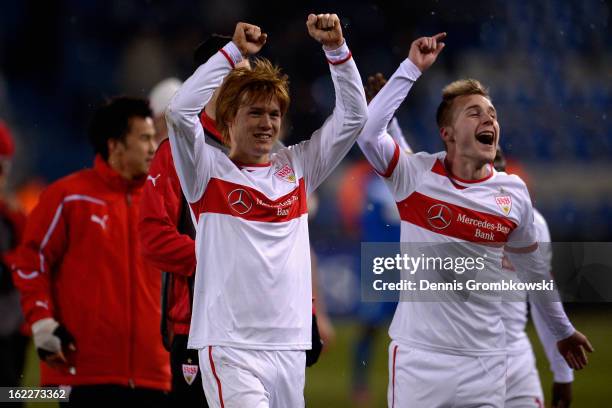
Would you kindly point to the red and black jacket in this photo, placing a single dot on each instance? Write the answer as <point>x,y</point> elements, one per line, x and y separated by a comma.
<point>167,234</point>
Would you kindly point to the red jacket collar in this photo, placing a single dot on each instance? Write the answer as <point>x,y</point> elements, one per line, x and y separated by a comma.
<point>210,126</point>
<point>114,179</point>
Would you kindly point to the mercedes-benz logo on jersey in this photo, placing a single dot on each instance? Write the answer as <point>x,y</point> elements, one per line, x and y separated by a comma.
<point>439,216</point>
<point>240,201</point>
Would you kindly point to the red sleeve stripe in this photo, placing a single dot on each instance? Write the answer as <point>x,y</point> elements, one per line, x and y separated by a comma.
<point>392,163</point>
<point>212,366</point>
<point>27,276</point>
<point>342,61</point>
<point>222,51</point>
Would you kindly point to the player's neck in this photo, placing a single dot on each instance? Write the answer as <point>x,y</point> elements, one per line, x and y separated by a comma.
<point>244,158</point>
<point>468,169</point>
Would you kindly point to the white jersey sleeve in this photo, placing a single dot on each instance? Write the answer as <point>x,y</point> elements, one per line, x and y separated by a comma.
<point>562,372</point>
<point>530,261</point>
<point>192,157</point>
<point>377,145</point>
<point>327,146</point>
<point>397,134</point>
<point>525,234</point>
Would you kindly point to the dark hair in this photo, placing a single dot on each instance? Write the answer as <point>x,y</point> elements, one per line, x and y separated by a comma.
<point>500,160</point>
<point>112,121</point>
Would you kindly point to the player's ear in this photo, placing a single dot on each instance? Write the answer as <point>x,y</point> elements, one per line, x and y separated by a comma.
<point>446,133</point>
<point>113,145</point>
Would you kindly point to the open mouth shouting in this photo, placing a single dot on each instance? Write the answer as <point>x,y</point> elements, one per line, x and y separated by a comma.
<point>486,137</point>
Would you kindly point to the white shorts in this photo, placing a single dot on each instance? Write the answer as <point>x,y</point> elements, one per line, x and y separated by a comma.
<point>423,378</point>
<point>239,378</point>
<point>523,387</point>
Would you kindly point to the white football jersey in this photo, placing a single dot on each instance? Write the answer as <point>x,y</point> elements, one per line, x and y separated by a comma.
<point>477,217</point>
<point>253,286</point>
<point>437,208</point>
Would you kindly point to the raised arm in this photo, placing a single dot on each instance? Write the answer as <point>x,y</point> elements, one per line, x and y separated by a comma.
<point>375,142</point>
<point>373,85</point>
<point>192,157</point>
<point>329,144</point>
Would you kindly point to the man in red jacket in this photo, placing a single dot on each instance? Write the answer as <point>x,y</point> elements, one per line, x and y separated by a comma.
<point>167,235</point>
<point>92,300</point>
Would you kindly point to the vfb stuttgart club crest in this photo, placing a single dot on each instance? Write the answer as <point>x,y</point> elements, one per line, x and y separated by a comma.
<point>190,372</point>
<point>504,202</point>
<point>286,173</point>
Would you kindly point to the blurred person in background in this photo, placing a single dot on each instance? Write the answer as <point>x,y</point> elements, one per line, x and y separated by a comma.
<point>13,338</point>
<point>91,300</point>
<point>159,97</point>
<point>523,386</point>
<point>323,331</point>
<point>167,234</point>
<point>252,299</point>
<point>379,222</point>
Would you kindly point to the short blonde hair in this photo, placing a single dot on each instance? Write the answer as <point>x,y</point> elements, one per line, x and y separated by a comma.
<point>451,92</point>
<point>244,86</point>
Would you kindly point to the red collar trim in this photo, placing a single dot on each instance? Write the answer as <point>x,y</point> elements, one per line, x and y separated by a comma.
<point>240,164</point>
<point>450,173</point>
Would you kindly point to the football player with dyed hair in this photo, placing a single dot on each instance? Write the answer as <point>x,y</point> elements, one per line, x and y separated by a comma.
<point>452,351</point>
<point>252,307</point>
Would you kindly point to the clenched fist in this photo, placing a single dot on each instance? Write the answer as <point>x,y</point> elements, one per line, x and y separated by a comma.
<point>425,50</point>
<point>326,29</point>
<point>249,39</point>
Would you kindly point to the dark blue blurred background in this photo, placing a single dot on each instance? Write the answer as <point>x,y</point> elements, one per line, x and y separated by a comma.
<point>548,64</point>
